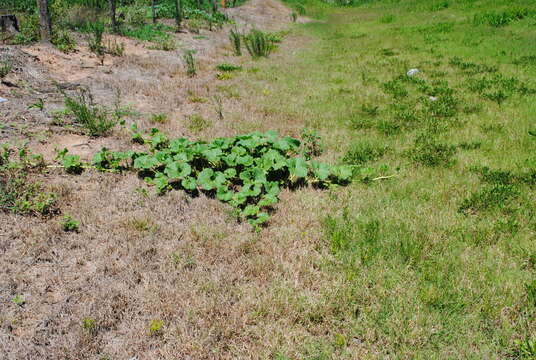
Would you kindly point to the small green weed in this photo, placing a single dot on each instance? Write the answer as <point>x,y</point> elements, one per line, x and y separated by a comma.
<point>526,349</point>
<point>228,67</point>
<point>430,152</point>
<point>159,118</point>
<point>363,152</point>
<point>197,123</point>
<point>89,324</point>
<point>224,76</point>
<point>503,18</point>
<point>395,88</point>
<point>155,327</point>
<point>18,300</point>
<point>387,19</point>
<point>69,224</point>
<point>18,194</point>
<point>489,197</point>
<point>94,119</point>
<point>312,144</point>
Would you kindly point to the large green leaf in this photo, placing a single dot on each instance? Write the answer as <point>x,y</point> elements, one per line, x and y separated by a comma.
<point>189,183</point>
<point>205,179</point>
<point>223,193</point>
<point>145,162</point>
<point>297,167</point>
<point>342,172</point>
<point>177,170</point>
<point>321,171</point>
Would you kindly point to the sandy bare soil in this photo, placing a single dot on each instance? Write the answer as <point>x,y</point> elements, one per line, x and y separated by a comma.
<point>137,258</point>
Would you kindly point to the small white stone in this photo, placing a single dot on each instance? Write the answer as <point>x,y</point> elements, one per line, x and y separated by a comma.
<point>2,100</point>
<point>413,72</point>
<point>433,98</point>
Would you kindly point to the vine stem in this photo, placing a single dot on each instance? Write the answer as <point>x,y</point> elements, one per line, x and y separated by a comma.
<point>383,177</point>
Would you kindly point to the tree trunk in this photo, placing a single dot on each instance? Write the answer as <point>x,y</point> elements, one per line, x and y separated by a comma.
<point>153,5</point>
<point>115,28</point>
<point>178,13</point>
<point>214,6</point>
<point>45,25</point>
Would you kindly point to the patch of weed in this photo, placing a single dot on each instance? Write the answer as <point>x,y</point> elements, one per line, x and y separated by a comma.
<point>197,123</point>
<point>489,197</point>
<point>362,152</point>
<point>430,152</point>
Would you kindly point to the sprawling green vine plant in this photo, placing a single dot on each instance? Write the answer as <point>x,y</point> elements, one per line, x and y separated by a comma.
<point>245,171</point>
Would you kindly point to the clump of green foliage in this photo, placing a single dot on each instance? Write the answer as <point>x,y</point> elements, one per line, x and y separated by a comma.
<point>429,151</point>
<point>18,194</point>
<point>489,197</point>
<point>155,327</point>
<point>189,63</point>
<point>64,41</point>
<point>71,163</point>
<point>363,152</point>
<point>312,144</point>
<point>228,67</point>
<point>95,120</point>
<point>246,171</point>
<point>89,324</point>
<point>197,123</point>
<point>18,300</point>
<point>69,224</point>
<point>94,40</point>
<point>159,118</point>
<point>258,44</point>
<point>503,18</point>
<point>526,349</point>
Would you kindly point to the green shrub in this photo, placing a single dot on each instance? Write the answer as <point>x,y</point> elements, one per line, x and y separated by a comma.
<point>64,41</point>
<point>246,171</point>
<point>94,39</point>
<point>258,44</point>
